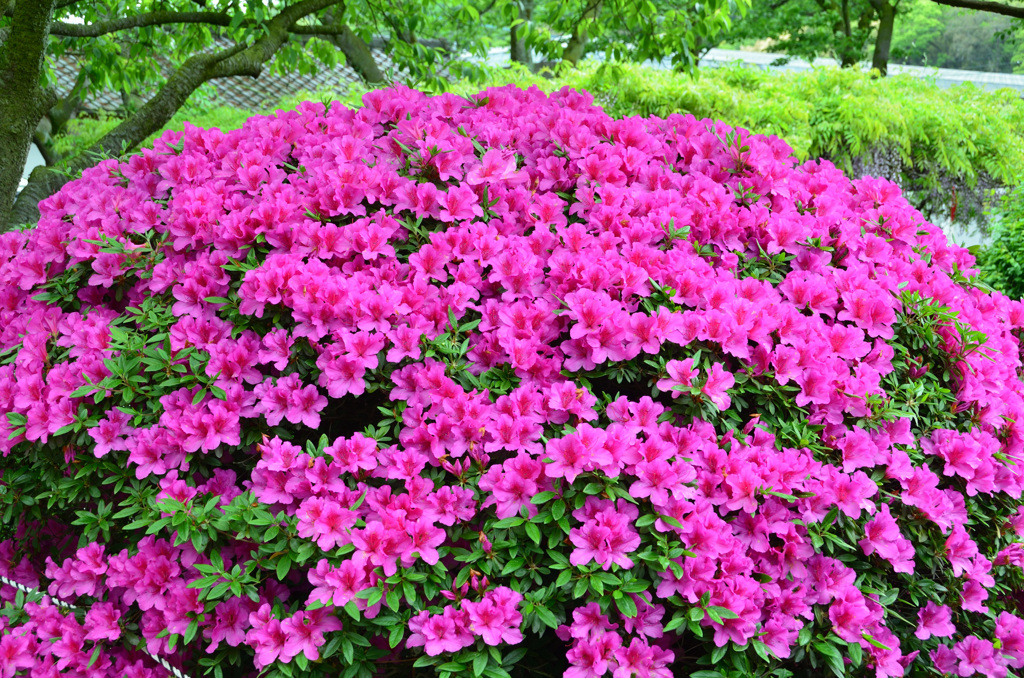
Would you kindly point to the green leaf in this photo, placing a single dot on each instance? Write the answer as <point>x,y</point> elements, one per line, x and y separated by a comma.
<point>396,634</point>
<point>868,637</point>
<point>669,520</point>
<point>533,532</point>
<point>722,612</point>
<point>580,589</point>
<point>479,664</point>
<point>512,521</point>
<point>95,655</point>
<point>855,652</point>
<point>452,667</point>
<point>626,606</point>
<point>546,616</point>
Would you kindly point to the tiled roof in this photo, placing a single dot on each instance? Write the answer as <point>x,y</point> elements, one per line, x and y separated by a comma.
<point>241,92</point>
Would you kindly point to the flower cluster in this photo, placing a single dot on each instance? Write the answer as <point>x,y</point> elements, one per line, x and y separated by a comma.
<point>501,384</point>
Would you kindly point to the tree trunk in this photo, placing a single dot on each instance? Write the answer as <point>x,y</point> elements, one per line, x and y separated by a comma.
<point>157,112</point>
<point>883,40</point>
<point>22,102</point>
<point>520,53</point>
<point>154,114</point>
<point>578,41</point>
<point>849,54</point>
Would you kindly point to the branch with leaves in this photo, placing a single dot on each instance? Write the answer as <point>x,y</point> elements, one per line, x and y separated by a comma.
<point>1015,11</point>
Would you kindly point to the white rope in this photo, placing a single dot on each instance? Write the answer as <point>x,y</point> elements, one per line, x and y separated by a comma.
<point>130,637</point>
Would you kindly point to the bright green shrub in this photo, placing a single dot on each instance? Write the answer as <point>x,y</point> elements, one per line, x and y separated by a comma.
<point>946,147</point>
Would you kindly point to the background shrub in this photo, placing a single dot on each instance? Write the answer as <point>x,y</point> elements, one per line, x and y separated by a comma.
<point>947,148</point>
<point>499,386</point>
<point>1002,260</point>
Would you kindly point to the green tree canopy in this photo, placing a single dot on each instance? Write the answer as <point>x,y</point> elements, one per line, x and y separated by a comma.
<point>973,34</point>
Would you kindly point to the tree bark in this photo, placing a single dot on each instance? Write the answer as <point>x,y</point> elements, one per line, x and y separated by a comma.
<point>357,52</point>
<point>573,51</point>
<point>1016,12</point>
<point>157,112</point>
<point>358,55</point>
<point>848,54</point>
<point>520,53</point>
<point>883,40</point>
<point>137,21</point>
<point>22,101</point>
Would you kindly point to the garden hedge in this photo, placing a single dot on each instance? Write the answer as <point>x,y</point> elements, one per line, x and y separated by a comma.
<point>497,386</point>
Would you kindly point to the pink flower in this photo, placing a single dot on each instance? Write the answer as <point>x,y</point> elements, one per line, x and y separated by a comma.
<point>267,638</point>
<point>102,622</point>
<point>231,621</point>
<point>495,618</point>
<point>934,620</point>
<point>495,166</point>
<point>304,632</point>
<point>591,659</point>
<point>977,656</point>
<point>680,376</point>
<point>882,536</point>
<point>446,632</point>
<point>853,493</point>
<point>717,385</point>
<point>16,652</point>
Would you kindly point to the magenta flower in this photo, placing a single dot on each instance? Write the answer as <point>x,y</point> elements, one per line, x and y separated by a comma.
<point>717,386</point>
<point>934,620</point>
<point>304,632</point>
<point>680,374</point>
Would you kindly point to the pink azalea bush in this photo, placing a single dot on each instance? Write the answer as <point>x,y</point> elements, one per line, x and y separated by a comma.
<point>495,386</point>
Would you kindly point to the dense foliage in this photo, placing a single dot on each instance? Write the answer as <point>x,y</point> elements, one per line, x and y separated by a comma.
<point>936,33</point>
<point>501,385</point>
<point>928,34</point>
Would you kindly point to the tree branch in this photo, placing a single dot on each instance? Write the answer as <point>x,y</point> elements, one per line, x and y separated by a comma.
<point>155,113</point>
<point>985,6</point>
<point>357,52</point>
<point>124,23</point>
<point>250,60</point>
<point>302,29</point>
<point>65,109</point>
<point>41,141</point>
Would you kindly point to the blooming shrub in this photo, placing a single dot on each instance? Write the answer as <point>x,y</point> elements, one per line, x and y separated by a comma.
<point>501,385</point>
